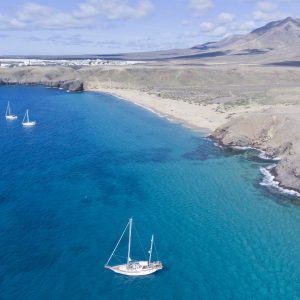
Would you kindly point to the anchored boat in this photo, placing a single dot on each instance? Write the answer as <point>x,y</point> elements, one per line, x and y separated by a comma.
<point>134,268</point>
<point>8,114</point>
<point>26,122</point>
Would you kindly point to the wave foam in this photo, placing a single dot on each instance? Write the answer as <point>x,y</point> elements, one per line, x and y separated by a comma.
<point>262,154</point>
<point>269,180</point>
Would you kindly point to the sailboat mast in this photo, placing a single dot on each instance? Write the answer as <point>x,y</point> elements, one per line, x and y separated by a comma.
<point>27,115</point>
<point>151,247</point>
<point>129,240</point>
<point>8,109</point>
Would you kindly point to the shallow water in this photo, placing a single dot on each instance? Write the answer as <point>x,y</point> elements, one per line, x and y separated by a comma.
<point>69,185</point>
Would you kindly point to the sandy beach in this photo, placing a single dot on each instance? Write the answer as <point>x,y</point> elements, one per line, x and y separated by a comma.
<point>205,118</point>
<point>258,125</point>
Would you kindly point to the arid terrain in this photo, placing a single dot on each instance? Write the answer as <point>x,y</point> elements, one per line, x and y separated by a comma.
<point>247,96</point>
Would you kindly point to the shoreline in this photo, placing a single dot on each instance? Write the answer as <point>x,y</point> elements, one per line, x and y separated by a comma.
<point>170,118</point>
<point>205,118</point>
<point>173,110</point>
<point>138,98</point>
<point>269,172</point>
<point>153,102</point>
<point>269,180</point>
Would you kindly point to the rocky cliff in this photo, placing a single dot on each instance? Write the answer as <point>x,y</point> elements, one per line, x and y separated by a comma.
<point>58,77</point>
<point>275,131</point>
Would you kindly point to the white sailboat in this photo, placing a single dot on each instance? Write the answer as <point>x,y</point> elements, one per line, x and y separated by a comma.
<point>8,114</point>
<point>26,122</point>
<point>134,268</point>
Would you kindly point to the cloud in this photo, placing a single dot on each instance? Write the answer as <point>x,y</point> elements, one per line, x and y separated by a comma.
<point>225,18</point>
<point>211,29</point>
<point>267,11</point>
<point>186,22</point>
<point>207,26</point>
<point>31,11</point>
<point>10,23</point>
<point>246,26</point>
<point>189,34</point>
<point>219,28</point>
<point>266,6</point>
<point>32,15</point>
<point>201,6</point>
<point>114,9</point>
<point>225,25</point>
<point>75,39</point>
<point>219,31</point>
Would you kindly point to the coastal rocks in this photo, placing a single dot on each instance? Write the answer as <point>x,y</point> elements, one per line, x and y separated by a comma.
<point>296,171</point>
<point>226,138</point>
<point>288,172</point>
<point>55,77</point>
<point>69,85</point>
<point>276,133</point>
<point>53,84</point>
<point>72,85</point>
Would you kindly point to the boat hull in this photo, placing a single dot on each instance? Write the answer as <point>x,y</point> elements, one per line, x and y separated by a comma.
<point>137,268</point>
<point>28,124</point>
<point>11,117</point>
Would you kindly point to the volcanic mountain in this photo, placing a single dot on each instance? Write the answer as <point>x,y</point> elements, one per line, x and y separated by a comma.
<point>274,42</point>
<point>278,38</point>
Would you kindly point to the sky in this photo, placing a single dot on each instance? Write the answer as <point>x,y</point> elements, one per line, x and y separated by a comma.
<point>116,26</point>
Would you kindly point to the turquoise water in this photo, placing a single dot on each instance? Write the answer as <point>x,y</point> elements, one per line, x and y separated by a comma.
<point>69,185</point>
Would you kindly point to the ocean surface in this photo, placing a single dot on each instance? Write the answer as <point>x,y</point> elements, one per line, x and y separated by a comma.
<point>69,185</point>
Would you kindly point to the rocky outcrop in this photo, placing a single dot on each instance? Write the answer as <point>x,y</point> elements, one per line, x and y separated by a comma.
<point>56,77</point>
<point>53,84</point>
<point>275,132</point>
<point>69,85</point>
<point>72,85</point>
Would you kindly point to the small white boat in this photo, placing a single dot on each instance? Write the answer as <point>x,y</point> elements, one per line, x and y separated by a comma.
<point>26,122</point>
<point>8,114</point>
<point>134,268</point>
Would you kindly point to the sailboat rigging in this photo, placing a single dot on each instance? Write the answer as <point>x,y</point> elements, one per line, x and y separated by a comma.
<point>26,122</point>
<point>8,114</point>
<point>134,268</point>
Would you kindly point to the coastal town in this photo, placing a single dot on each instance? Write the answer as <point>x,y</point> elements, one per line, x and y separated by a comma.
<point>25,62</point>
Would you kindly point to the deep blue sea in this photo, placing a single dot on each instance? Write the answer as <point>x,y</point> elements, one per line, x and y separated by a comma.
<point>69,185</point>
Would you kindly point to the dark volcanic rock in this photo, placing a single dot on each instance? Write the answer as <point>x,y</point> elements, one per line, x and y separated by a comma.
<point>72,85</point>
<point>54,84</point>
<point>68,85</point>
